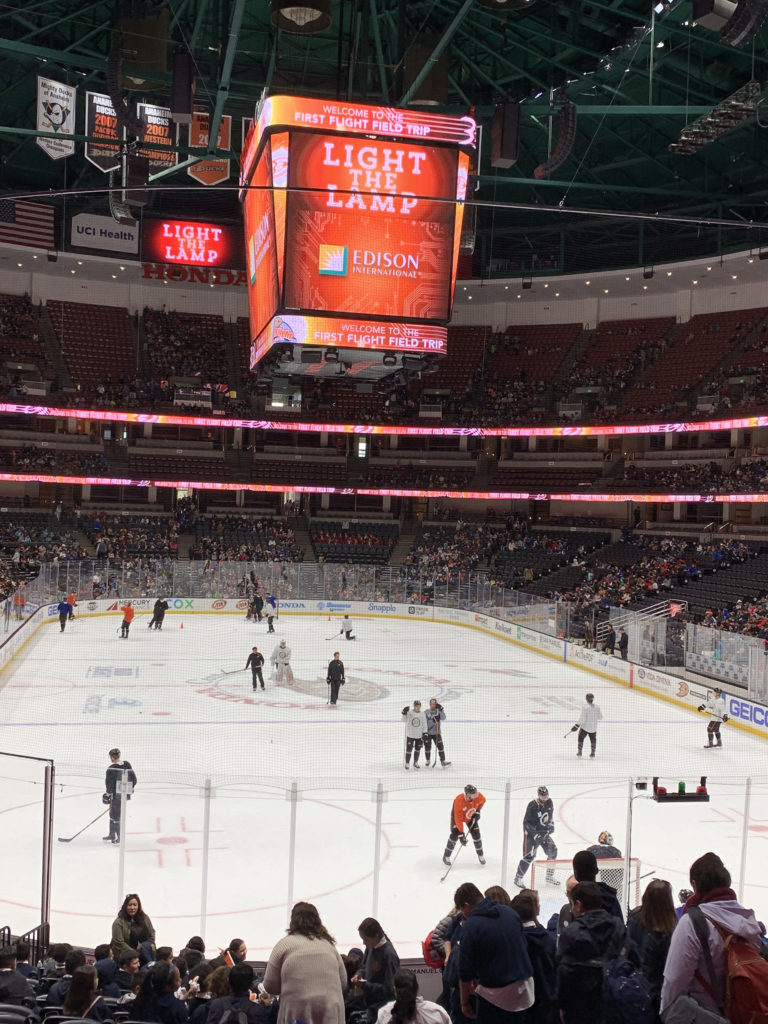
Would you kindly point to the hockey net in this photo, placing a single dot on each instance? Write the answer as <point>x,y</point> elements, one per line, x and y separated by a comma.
<point>548,877</point>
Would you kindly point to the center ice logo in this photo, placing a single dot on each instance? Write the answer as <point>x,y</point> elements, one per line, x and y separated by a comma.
<point>332,260</point>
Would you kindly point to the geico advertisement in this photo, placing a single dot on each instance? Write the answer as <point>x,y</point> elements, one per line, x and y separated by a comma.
<point>362,239</point>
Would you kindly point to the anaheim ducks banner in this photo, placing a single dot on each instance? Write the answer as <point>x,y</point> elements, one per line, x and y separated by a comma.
<point>101,125</point>
<point>210,170</point>
<point>56,113</point>
<point>162,133</point>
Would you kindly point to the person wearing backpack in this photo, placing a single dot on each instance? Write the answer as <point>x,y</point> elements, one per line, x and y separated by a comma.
<point>593,935</point>
<point>697,961</point>
<point>238,1007</point>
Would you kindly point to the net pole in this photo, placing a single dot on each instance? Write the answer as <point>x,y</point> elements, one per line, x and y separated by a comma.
<point>378,796</point>
<point>745,838</point>
<point>628,847</point>
<point>206,851</point>
<point>45,895</point>
<point>293,796</point>
<point>505,837</point>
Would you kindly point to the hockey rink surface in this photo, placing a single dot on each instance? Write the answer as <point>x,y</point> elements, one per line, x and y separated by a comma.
<point>164,699</point>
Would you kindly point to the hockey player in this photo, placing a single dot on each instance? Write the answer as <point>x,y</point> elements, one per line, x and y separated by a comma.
<point>587,724</point>
<point>346,628</point>
<point>271,621</point>
<point>65,612</point>
<point>128,614</point>
<point>72,599</point>
<point>281,662</point>
<point>612,874</point>
<point>158,614</point>
<point>466,811</point>
<point>605,850</point>
<point>335,677</point>
<point>255,663</point>
<point>715,707</point>
<point>112,786</point>
<point>415,733</point>
<point>435,715</point>
<point>538,826</point>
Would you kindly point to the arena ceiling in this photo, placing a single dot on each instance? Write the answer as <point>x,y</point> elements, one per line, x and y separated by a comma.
<point>635,76</point>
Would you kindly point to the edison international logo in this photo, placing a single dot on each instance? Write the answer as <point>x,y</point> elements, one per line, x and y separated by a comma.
<point>332,260</point>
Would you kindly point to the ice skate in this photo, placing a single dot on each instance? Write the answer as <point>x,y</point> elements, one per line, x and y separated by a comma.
<point>446,860</point>
<point>445,763</point>
<point>519,882</point>
<point>481,858</point>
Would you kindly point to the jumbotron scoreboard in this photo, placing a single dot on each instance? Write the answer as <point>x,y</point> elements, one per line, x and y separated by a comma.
<point>353,219</point>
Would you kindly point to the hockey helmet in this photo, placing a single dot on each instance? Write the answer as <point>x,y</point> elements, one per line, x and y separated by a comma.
<point>717,690</point>
<point>470,791</point>
<point>684,895</point>
<point>417,703</point>
<point>542,791</point>
<point>590,697</point>
<point>282,643</point>
<point>605,839</point>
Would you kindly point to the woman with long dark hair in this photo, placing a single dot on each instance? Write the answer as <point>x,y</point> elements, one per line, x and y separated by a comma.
<point>408,1006</point>
<point>650,928</point>
<point>132,931</point>
<point>156,1001</point>
<point>82,999</point>
<point>306,971</point>
<point>379,966</point>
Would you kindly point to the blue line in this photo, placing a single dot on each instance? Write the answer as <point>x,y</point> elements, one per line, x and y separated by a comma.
<point>312,721</point>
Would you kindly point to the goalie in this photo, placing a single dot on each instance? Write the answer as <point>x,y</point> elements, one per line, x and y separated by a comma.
<point>281,663</point>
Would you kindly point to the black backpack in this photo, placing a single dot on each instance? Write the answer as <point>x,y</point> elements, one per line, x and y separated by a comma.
<point>232,1016</point>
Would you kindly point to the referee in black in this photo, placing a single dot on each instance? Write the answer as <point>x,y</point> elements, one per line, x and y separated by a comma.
<point>255,663</point>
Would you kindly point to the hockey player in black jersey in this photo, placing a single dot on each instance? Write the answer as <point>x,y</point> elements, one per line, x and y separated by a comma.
<point>112,785</point>
<point>538,826</point>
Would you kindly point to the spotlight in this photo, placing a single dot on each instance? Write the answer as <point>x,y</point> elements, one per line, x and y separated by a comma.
<point>301,17</point>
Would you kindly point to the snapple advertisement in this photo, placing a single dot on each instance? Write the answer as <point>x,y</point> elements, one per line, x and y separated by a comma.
<point>360,235</point>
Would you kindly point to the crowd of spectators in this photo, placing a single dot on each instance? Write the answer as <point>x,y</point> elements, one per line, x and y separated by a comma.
<point>28,540</point>
<point>408,475</point>
<point>489,946</point>
<point>122,536</point>
<point>441,551</point>
<point>183,345</point>
<point>701,477</point>
<point>244,538</point>
<point>654,567</point>
<point>59,462</point>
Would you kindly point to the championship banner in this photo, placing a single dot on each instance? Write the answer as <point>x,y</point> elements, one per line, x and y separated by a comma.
<point>159,130</point>
<point>209,171</point>
<point>56,113</point>
<point>101,124</point>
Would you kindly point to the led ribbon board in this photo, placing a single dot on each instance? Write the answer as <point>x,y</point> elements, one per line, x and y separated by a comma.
<point>352,213</point>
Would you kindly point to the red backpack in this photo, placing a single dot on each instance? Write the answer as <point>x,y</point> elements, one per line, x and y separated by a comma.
<point>432,958</point>
<point>746,980</point>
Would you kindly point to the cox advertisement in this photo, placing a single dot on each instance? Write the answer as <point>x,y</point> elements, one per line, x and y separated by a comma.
<point>370,227</point>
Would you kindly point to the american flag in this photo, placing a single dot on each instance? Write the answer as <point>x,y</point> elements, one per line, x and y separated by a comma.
<point>26,224</point>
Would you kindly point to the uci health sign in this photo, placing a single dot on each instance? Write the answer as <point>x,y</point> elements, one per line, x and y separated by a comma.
<point>88,231</point>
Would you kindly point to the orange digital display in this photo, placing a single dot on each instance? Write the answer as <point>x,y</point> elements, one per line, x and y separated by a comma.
<point>260,254</point>
<point>360,236</point>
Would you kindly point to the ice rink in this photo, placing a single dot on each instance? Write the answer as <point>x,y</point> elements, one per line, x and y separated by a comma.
<point>165,700</point>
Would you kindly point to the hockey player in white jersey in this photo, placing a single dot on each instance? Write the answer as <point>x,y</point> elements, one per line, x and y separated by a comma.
<point>715,707</point>
<point>415,733</point>
<point>587,724</point>
<point>281,662</point>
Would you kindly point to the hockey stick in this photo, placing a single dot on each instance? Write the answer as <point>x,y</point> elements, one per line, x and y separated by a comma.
<point>448,869</point>
<point>64,840</point>
<point>232,672</point>
<point>335,635</point>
